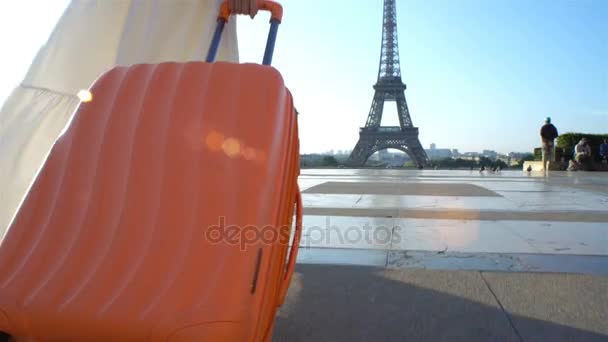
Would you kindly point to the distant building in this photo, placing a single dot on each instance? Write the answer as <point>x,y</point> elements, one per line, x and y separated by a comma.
<point>518,155</point>
<point>455,153</point>
<point>470,156</point>
<point>310,158</point>
<point>397,159</point>
<point>390,157</point>
<point>435,153</point>
<point>375,157</point>
<point>490,154</point>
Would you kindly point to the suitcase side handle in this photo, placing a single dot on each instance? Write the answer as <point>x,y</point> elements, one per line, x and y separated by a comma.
<point>276,11</point>
<point>291,263</point>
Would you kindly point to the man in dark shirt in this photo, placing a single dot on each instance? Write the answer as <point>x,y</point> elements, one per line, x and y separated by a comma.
<point>548,133</point>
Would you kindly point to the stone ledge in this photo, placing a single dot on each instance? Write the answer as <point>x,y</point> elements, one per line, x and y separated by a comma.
<point>538,166</point>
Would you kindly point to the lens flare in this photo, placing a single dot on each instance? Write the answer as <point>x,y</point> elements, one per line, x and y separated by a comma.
<point>249,153</point>
<point>231,147</point>
<point>214,141</point>
<point>85,96</point>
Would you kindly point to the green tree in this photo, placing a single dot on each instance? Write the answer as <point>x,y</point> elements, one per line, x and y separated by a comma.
<point>501,164</point>
<point>329,161</point>
<point>528,157</point>
<point>483,161</point>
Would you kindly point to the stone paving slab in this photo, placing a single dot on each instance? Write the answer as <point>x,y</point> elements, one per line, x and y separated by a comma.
<point>466,236</point>
<point>512,201</point>
<point>501,236</point>
<point>429,260</point>
<point>329,303</point>
<point>575,303</point>
<point>346,303</point>
<point>503,262</point>
<point>394,188</point>
<point>466,214</point>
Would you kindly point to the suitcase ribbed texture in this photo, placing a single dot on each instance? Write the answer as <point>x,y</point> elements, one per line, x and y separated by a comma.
<point>117,239</point>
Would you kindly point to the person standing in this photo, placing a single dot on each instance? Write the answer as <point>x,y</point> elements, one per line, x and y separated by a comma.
<point>548,133</point>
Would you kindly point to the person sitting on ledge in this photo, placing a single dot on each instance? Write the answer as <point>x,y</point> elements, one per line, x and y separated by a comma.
<point>604,152</point>
<point>582,154</point>
<point>583,151</point>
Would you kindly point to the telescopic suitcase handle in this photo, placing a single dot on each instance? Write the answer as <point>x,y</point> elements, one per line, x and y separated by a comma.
<point>276,11</point>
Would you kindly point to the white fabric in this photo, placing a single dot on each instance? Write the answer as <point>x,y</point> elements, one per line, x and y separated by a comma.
<point>93,36</point>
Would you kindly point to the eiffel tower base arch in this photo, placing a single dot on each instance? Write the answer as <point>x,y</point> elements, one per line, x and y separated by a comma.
<point>371,142</point>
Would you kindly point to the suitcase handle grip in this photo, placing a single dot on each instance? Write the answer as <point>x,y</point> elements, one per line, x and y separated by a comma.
<point>291,263</point>
<point>275,9</point>
<point>276,17</point>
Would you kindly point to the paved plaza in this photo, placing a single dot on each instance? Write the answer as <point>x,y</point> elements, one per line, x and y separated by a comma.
<point>456,220</point>
<point>450,255</point>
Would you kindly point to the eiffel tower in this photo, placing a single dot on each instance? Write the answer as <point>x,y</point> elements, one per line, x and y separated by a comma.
<point>389,87</point>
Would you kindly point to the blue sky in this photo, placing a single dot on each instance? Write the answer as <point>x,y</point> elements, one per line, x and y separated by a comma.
<point>481,74</point>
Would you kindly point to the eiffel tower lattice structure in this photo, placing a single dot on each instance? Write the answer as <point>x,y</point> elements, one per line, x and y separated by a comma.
<point>389,87</point>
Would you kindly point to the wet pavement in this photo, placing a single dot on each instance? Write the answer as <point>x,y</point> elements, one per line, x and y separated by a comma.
<point>456,220</point>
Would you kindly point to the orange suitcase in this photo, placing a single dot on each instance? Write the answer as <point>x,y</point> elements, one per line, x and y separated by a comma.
<point>164,212</point>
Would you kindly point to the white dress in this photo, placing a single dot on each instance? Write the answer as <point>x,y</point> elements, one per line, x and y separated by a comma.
<point>91,37</point>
